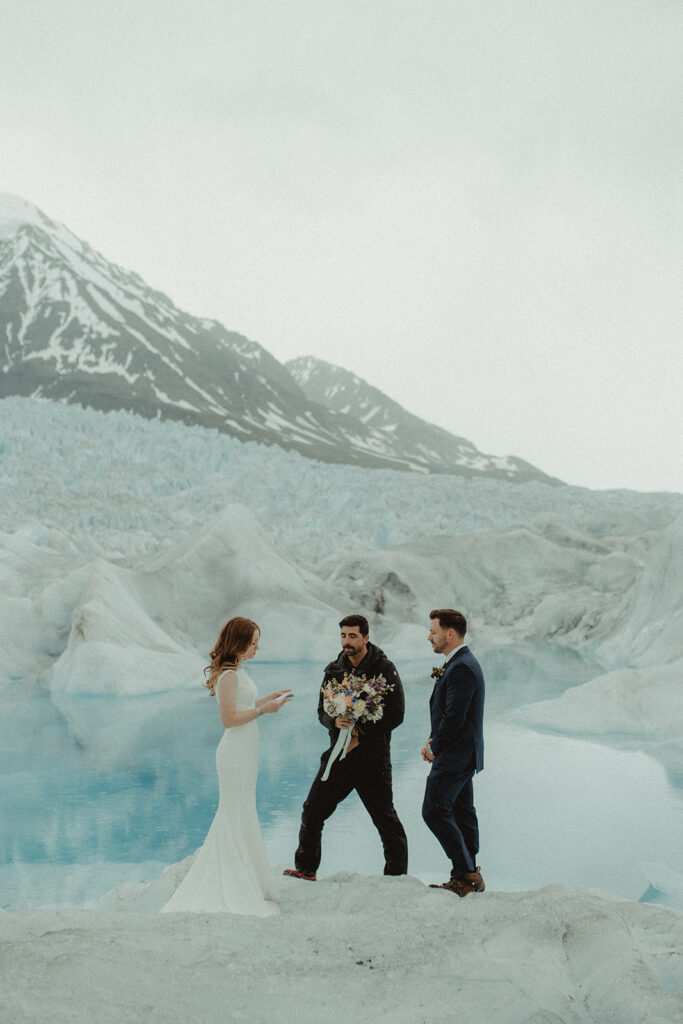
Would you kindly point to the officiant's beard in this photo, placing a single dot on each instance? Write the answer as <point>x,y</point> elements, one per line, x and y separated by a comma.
<point>355,651</point>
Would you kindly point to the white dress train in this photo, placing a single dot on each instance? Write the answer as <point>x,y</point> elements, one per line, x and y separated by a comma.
<point>230,871</point>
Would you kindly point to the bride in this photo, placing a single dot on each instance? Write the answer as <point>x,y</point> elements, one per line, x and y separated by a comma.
<point>230,871</point>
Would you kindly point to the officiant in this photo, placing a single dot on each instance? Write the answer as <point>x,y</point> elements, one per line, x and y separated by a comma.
<point>366,763</point>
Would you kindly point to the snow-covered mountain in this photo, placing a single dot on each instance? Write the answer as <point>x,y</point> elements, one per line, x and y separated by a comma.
<point>349,395</point>
<point>76,328</point>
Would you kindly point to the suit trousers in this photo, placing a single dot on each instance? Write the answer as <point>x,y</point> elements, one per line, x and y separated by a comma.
<point>370,776</point>
<point>449,812</point>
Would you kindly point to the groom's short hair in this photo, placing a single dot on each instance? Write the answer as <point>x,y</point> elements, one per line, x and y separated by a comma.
<point>450,619</point>
<point>356,620</point>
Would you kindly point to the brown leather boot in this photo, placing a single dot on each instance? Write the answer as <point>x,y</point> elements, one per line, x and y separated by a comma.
<point>471,881</point>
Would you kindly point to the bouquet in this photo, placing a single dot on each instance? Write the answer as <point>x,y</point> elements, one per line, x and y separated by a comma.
<point>354,697</point>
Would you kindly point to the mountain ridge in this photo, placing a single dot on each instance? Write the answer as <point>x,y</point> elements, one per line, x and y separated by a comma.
<point>76,328</point>
<point>343,391</point>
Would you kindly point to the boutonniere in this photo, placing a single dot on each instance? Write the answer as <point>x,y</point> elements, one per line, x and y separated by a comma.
<point>437,672</point>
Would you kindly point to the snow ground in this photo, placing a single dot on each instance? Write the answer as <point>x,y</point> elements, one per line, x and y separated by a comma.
<point>351,947</point>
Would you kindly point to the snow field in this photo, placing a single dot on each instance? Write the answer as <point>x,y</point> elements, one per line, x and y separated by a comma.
<point>391,951</point>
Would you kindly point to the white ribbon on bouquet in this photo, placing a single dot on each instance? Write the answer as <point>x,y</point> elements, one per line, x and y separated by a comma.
<point>338,751</point>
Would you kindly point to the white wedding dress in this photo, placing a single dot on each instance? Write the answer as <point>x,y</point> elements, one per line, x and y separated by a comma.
<point>230,871</point>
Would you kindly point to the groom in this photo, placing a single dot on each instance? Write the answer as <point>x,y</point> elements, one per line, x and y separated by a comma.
<point>455,750</point>
<point>367,765</point>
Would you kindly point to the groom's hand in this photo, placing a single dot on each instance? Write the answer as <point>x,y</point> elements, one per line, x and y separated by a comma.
<point>427,753</point>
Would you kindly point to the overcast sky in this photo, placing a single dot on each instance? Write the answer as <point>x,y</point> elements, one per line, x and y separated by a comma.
<point>473,204</point>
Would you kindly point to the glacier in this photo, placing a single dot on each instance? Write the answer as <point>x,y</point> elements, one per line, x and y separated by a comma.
<point>126,542</point>
<point>85,494</point>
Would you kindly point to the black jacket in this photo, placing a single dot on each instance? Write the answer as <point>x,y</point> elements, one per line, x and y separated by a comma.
<point>373,737</point>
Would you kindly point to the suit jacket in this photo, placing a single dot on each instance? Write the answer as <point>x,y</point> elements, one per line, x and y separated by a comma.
<point>456,709</point>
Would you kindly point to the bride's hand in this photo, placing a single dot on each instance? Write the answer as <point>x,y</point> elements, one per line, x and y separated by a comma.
<point>279,693</point>
<point>271,705</point>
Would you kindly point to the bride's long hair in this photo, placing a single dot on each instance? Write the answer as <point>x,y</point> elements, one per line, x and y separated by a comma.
<point>233,641</point>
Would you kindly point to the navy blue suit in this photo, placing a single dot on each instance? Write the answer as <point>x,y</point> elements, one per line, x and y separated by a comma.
<point>456,709</point>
